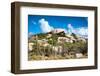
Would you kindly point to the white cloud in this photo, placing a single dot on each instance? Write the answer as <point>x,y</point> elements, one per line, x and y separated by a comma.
<point>79,31</point>
<point>44,25</point>
<point>70,26</point>
<point>82,31</point>
<point>70,29</point>
<point>30,34</point>
<point>34,22</point>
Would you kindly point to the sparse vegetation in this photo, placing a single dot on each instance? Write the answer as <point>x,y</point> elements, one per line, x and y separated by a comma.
<point>49,48</point>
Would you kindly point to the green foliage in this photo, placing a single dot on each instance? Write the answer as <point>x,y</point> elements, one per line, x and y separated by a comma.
<point>47,53</point>
<point>77,47</point>
<point>42,35</point>
<point>50,41</point>
<point>74,35</point>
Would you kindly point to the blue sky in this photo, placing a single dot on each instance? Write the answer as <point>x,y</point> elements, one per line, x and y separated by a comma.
<point>43,23</point>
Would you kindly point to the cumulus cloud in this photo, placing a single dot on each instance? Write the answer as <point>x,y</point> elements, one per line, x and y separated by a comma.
<point>34,22</point>
<point>30,34</point>
<point>44,25</point>
<point>82,31</point>
<point>79,31</point>
<point>70,26</point>
<point>70,29</point>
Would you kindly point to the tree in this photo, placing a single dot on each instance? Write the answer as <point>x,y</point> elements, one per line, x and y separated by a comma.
<point>74,35</point>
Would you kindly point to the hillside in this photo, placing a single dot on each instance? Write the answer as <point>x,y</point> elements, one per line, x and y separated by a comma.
<point>53,34</point>
<point>57,43</point>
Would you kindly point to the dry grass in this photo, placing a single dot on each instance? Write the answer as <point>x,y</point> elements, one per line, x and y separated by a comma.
<point>52,57</point>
